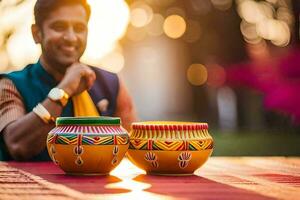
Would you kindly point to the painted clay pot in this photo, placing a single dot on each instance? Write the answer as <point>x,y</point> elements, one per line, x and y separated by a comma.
<point>169,148</point>
<point>87,145</point>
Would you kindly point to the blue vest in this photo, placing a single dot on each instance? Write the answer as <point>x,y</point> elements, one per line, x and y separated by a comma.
<point>34,84</point>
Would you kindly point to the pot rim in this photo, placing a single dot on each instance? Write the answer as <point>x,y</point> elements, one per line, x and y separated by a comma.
<point>169,125</point>
<point>88,121</point>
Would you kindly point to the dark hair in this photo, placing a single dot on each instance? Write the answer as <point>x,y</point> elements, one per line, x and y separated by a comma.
<point>43,8</point>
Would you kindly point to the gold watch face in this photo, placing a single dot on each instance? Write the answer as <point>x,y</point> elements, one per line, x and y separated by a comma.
<point>56,94</point>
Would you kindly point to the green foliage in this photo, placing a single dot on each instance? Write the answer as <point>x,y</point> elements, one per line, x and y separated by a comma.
<point>256,144</point>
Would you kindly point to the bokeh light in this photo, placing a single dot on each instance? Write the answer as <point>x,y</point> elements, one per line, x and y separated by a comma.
<point>250,11</point>
<point>266,9</point>
<point>197,74</point>
<point>174,26</point>
<point>249,32</point>
<point>269,25</point>
<point>138,17</point>
<point>155,27</point>
<point>283,35</point>
<point>275,30</point>
<point>140,14</point>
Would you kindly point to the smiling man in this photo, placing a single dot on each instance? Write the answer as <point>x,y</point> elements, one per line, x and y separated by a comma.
<point>57,85</point>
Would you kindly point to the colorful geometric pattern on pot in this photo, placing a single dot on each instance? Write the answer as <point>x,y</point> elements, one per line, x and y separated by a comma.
<point>152,158</point>
<point>170,126</point>
<point>115,155</point>
<point>87,139</point>
<point>184,159</point>
<point>170,131</point>
<point>108,129</point>
<point>179,145</point>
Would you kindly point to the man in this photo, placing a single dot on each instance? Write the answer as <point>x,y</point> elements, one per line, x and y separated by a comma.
<point>57,84</point>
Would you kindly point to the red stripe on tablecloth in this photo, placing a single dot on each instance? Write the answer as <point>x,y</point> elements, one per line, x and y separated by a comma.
<point>281,178</point>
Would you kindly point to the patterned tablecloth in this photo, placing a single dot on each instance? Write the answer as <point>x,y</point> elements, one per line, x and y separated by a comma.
<point>220,178</point>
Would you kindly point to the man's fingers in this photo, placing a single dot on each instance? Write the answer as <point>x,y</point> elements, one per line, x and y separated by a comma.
<point>79,77</point>
<point>90,78</point>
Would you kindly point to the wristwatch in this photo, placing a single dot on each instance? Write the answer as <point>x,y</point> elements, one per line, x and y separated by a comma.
<point>58,95</point>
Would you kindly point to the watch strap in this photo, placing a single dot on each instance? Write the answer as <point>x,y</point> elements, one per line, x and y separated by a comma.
<point>64,99</point>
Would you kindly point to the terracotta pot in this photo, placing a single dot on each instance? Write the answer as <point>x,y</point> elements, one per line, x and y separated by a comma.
<point>169,148</point>
<point>87,145</point>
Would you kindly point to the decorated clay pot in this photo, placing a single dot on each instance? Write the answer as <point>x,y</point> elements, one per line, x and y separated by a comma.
<point>169,148</point>
<point>87,145</point>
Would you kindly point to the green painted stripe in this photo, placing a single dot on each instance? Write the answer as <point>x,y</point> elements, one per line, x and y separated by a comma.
<point>88,121</point>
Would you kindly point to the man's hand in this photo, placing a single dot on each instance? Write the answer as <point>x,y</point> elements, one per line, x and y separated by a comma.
<point>77,78</point>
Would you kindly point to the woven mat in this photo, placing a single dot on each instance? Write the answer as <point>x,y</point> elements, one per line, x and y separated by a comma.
<point>276,177</point>
<point>16,184</point>
<point>239,178</point>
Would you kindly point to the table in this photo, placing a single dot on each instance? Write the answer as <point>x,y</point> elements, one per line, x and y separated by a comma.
<point>240,178</point>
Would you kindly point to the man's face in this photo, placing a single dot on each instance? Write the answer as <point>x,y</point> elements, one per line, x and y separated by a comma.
<point>63,35</point>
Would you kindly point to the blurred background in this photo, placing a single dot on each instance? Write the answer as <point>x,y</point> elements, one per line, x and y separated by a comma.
<point>232,63</point>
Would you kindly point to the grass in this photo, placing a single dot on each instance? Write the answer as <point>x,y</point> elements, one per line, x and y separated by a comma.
<point>256,144</point>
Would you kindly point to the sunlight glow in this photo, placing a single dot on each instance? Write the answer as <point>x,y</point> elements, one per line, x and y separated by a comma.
<point>124,167</point>
<point>126,171</point>
<point>3,60</point>
<point>108,23</point>
<point>17,21</point>
<point>113,61</point>
<point>21,48</point>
